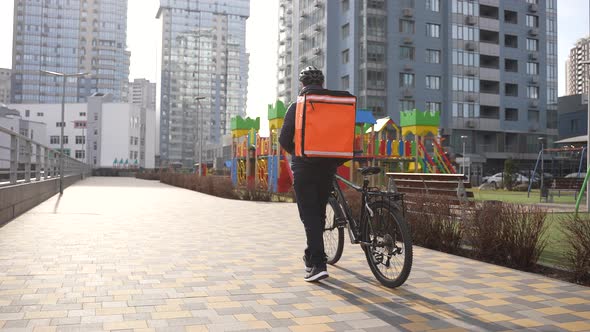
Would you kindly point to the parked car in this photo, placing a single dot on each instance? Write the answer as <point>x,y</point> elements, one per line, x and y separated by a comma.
<point>496,179</point>
<point>575,175</point>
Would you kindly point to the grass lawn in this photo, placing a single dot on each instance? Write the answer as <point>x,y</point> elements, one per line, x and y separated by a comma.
<point>519,197</point>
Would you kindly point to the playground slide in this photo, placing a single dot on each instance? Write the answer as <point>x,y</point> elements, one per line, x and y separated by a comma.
<point>432,167</point>
<point>441,153</point>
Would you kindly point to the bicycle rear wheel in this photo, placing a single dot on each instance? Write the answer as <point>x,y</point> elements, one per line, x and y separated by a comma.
<point>389,244</point>
<point>333,233</point>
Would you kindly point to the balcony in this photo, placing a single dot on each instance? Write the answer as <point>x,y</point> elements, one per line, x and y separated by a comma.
<point>489,99</point>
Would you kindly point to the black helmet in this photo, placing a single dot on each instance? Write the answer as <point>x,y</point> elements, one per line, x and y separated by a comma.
<point>311,75</point>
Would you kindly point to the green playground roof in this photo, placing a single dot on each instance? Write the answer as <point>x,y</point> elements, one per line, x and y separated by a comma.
<point>277,111</point>
<point>239,123</point>
<point>418,118</point>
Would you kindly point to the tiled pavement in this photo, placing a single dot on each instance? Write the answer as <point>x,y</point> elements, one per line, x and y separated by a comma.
<point>126,254</point>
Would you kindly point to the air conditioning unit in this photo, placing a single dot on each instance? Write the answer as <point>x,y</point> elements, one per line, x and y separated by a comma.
<point>470,124</point>
<point>533,31</point>
<point>534,103</point>
<point>534,79</point>
<point>318,4</point>
<point>470,97</point>
<point>408,40</point>
<point>408,93</point>
<point>470,46</point>
<point>408,12</point>
<point>470,72</point>
<point>317,28</point>
<point>303,37</point>
<point>533,56</point>
<point>533,7</point>
<point>408,67</point>
<point>470,20</point>
<point>317,51</point>
<point>533,127</point>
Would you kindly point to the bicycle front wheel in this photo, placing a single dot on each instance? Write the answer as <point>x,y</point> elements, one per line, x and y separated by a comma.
<point>333,232</point>
<point>388,244</point>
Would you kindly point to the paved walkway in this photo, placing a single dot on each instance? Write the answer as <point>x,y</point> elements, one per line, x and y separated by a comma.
<point>126,254</point>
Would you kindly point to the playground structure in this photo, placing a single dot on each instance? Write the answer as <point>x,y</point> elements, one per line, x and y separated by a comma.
<point>414,146</point>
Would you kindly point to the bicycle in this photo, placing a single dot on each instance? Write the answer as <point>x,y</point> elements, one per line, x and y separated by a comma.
<point>381,230</point>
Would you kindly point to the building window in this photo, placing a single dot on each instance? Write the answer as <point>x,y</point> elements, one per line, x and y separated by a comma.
<point>80,154</point>
<point>376,26</point>
<point>345,82</point>
<point>433,5</point>
<point>460,32</point>
<point>375,79</point>
<point>433,106</point>
<point>406,26</point>
<point>80,139</point>
<point>465,110</point>
<point>511,41</point>
<point>27,113</point>
<point>511,89</point>
<point>345,56</point>
<point>465,84</point>
<point>54,140</point>
<point>433,30</point>
<point>82,113</point>
<point>533,92</point>
<point>65,140</point>
<point>95,117</point>
<point>60,124</point>
<point>345,5</point>
<point>406,105</point>
<point>532,21</point>
<point>511,114</point>
<point>131,140</point>
<point>465,58</point>
<point>432,56</point>
<point>532,68</point>
<point>375,52</point>
<point>406,53</point>
<point>40,114</point>
<point>433,82</point>
<point>532,44</point>
<point>574,125</point>
<point>406,80</point>
<point>510,17</point>
<point>511,65</point>
<point>345,30</point>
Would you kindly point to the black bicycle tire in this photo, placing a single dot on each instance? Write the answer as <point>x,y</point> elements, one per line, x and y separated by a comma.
<point>340,246</point>
<point>408,252</point>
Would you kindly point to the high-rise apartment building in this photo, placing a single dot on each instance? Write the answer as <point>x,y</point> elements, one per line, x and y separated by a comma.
<point>576,72</point>
<point>5,86</point>
<point>72,36</point>
<point>204,75</point>
<point>489,66</point>
<point>143,94</point>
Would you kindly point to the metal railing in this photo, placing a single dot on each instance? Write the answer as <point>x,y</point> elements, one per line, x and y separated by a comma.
<point>23,160</point>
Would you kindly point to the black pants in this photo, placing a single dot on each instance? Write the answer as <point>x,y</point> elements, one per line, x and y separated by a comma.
<point>313,184</point>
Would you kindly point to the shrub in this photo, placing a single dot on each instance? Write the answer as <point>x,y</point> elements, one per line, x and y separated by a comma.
<point>507,234</point>
<point>433,224</point>
<point>577,235</point>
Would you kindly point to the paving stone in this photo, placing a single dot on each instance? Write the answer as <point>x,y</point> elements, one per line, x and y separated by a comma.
<point>151,257</point>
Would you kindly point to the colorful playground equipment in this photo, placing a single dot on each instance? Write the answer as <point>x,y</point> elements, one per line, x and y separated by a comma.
<point>413,146</point>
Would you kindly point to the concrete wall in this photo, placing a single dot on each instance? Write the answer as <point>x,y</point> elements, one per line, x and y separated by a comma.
<point>18,199</point>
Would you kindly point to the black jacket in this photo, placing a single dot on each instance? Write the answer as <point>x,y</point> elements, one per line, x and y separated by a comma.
<point>286,139</point>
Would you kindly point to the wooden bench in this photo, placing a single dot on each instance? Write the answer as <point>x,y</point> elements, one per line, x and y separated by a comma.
<point>420,187</point>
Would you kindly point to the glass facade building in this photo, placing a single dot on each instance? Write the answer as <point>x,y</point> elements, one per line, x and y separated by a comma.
<point>203,55</point>
<point>69,36</point>
<point>489,66</point>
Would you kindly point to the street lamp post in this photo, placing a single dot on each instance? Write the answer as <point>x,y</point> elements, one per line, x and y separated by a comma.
<point>542,166</point>
<point>587,62</point>
<point>198,99</point>
<point>62,123</point>
<point>463,138</point>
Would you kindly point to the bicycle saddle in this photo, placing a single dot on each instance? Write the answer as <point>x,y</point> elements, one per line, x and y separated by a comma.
<point>369,170</point>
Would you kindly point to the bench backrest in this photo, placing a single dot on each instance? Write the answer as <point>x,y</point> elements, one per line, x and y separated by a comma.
<point>452,186</point>
<point>567,183</point>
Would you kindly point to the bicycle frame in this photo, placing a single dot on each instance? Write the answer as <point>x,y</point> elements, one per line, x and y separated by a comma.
<point>354,226</point>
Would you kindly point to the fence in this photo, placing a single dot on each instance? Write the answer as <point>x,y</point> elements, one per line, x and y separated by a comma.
<point>23,160</point>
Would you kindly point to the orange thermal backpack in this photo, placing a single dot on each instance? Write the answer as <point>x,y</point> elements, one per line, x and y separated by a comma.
<point>324,124</point>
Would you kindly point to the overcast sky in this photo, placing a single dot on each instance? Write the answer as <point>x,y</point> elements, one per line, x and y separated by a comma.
<point>261,42</point>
